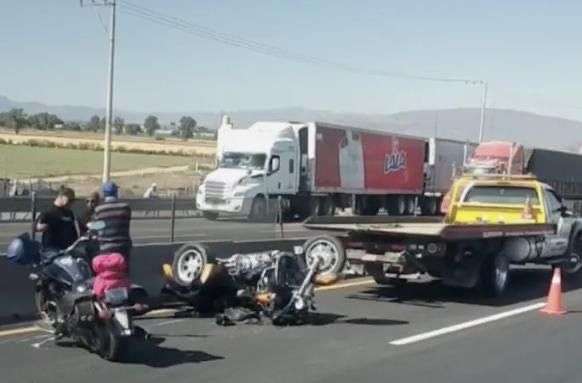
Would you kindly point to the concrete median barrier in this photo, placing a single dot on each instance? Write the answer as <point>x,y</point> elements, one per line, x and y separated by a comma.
<point>16,290</point>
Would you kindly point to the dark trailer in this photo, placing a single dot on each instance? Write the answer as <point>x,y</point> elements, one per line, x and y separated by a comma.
<point>561,170</point>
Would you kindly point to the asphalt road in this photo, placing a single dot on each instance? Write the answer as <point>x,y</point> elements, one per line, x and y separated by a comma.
<point>186,229</point>
<point>351,339</point>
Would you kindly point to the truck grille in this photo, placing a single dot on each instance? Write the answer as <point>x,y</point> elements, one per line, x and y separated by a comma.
<point>215,191</point>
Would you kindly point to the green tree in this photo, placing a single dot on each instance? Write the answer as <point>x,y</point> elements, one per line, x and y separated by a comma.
<point>93,124</point>
<point>150,125</point>
<point>187,127</point>
<point>132,129</point>
<point>44,121</point>
<point>16,119</point>
<point>118,125</point>
<point>72,125</point>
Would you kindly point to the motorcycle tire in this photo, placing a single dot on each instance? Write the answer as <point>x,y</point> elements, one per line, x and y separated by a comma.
<point>188,264</point>
<point>111,346</point>
<point>331,250</point>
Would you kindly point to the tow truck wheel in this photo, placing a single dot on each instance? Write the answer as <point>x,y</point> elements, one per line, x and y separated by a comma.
<point>574,263</point>
<point>376,271</point>
<point>495,275</point>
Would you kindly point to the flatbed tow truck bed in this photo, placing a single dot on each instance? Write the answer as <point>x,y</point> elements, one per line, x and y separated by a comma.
<point>427,227</point>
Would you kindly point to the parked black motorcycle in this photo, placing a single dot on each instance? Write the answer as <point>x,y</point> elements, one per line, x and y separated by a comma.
<point>64,297</point>
<point>276,284</point>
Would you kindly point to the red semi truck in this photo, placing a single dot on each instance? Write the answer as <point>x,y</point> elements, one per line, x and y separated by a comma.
<point>317,167</point>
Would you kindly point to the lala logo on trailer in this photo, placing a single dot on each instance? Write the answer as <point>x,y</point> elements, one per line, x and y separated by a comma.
<point>396,160</point>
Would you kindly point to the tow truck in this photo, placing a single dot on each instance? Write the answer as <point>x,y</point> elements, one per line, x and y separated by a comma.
<point>492,221</point>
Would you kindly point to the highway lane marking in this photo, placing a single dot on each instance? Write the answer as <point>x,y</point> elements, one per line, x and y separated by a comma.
<point>466,325</point>
<point>37,345</point>
<point>167,322</point>
<point>338,286</point>
<point>21,330</point>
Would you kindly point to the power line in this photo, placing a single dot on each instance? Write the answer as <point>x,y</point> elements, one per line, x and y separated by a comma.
<point>270,50</point>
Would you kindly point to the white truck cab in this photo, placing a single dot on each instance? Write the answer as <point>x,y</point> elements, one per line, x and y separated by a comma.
<point>254,165</point>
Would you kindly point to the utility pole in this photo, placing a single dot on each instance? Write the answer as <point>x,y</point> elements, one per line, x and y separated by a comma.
<point>483,109</point>
<point>109,106</point>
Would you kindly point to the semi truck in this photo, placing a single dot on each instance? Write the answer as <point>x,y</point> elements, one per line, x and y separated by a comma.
<point>315,168</point>
<point>561,170</point>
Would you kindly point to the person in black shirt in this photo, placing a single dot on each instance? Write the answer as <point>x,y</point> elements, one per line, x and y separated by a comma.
<point>57,224</point>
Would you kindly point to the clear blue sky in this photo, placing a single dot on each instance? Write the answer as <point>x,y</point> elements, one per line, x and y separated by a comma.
<point>529,50</point>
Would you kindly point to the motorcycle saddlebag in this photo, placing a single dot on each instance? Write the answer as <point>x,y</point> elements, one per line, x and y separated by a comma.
<point>23,250</point>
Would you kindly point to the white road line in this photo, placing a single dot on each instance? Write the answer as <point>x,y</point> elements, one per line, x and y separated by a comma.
<point>168,322</point>
<point>465,325</point>
<point>37,345</point>
<point>367,281</point>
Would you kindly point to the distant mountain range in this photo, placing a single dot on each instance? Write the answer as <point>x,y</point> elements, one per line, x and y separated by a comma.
<point>461,124</point>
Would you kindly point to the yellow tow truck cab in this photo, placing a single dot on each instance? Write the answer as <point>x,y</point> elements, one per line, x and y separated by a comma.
<point>497,199</point>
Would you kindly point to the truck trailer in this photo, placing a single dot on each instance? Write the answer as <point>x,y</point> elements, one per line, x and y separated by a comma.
<point>561,170</point>
<point>316,167</point>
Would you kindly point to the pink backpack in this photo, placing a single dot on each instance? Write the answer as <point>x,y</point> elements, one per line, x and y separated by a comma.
<point>110,273</point>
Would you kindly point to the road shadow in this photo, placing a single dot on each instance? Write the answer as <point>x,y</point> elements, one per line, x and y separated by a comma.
<point>151,353</point>
<point>324,319</point>
<point>526,284</point>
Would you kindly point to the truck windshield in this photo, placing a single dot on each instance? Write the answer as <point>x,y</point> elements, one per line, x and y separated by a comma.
<point>235,160</point>
<point>501,195</point>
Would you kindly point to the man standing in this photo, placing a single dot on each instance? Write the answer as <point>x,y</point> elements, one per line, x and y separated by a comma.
<point>87,215</point>
<point>57,224</point>
<point>116,215</point>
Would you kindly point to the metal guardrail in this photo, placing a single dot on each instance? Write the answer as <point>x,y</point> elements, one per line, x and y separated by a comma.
<point>25,204</point>
<point>26,209</point>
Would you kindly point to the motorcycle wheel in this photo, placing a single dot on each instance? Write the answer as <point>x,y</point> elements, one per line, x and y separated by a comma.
<point>330,250</point>
<point>109,345</point>
<point>189,263</point>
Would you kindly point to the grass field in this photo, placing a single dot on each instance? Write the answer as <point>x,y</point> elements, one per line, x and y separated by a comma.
<point>18,161</point>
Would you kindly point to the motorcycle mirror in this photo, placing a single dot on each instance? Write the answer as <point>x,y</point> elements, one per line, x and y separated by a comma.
<point>96,225</point>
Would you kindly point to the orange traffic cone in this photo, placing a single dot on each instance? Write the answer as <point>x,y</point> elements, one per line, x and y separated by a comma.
<point>554,305</point>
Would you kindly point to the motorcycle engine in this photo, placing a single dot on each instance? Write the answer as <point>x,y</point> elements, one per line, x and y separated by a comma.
<point>250,265</point>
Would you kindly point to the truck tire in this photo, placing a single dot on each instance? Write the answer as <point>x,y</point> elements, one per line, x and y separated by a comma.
<point>327,206</point>
<point>258,209</point>
<point>429,206</point>
<point>330,249</point>
<point>189,263</point>
<point>574,265</point>
<point>397,205</point>
<point>210,215</point>
<point>323,206</point>
<point>494,276</point>
<point>376,271</point>
<point>410,205</point>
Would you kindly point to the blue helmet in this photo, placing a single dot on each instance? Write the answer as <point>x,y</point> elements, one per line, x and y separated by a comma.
<point>23,250</point>
<point>109,189</point>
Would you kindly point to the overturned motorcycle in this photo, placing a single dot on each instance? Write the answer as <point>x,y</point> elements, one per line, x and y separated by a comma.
<point>65,297</point>
<point>276,284</point>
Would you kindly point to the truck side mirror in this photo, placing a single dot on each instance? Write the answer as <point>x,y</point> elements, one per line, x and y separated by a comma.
<point>274,164</point>
<point>564,211</point>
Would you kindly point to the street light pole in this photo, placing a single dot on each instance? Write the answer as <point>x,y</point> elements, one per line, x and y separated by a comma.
<point>483,109</point>
<point>109,112</point>
<point>109,105</point>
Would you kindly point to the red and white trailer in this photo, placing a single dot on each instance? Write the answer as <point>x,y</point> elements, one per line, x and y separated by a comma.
<point>318,167</point>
